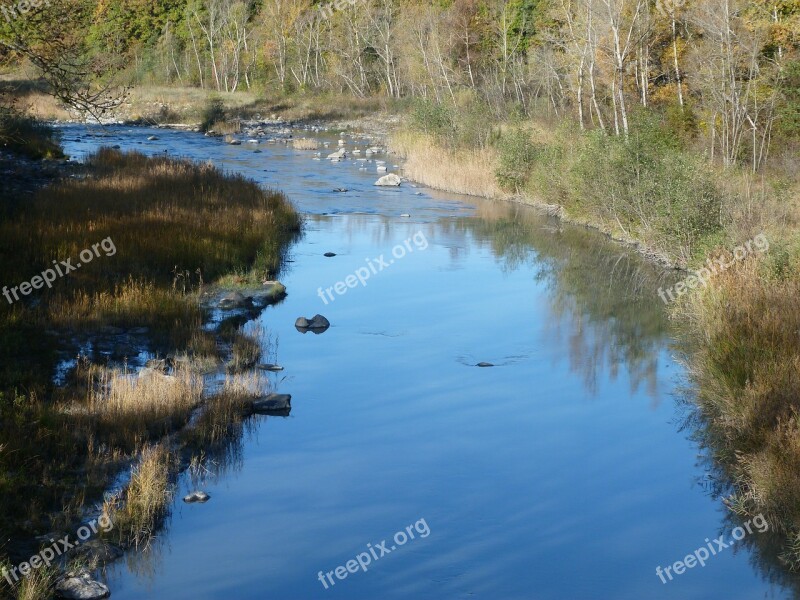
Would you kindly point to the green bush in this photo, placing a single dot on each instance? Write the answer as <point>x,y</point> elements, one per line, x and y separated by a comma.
<point>432,118</point>
<point>214,112</point>
<point>649,187</point>
<point>787,124</point>
<point>518,155</point>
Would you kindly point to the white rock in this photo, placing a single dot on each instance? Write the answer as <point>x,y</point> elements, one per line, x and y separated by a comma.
<point>389,180</point>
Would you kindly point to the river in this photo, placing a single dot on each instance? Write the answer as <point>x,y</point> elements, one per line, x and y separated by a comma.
<point>569,469</point>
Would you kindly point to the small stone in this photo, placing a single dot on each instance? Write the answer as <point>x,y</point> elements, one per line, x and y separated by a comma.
<point>270,367</point>
<point>484,364</point>
<point>329,254</point>
<point>196,496</point>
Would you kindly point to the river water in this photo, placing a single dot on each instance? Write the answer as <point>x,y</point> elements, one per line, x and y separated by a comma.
<point>568,470</point>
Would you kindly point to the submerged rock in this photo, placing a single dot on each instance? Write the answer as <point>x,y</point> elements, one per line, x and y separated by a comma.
<point>98,550</point>
<point>317,324</point>
<point>81,587</point>
<point>389,180</point>
<point>235,300</point>
<point>271,293</point>
<point>196,496</point>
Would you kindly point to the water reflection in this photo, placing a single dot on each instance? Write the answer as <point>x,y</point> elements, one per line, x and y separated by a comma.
<point>558,471</point>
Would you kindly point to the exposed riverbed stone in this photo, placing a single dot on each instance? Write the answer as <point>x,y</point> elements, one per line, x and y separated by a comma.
<point>81,587</point>
<point>389,180</point>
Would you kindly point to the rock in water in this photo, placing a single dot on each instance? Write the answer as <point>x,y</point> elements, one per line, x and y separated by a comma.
<point>81,587</point>
<point>389,180</point>
<point>196,496</point>
<point>329,254</point>
<point>317,324</point>
<point>272,404</point>
<point>235,300</point>
<point>484,364</point>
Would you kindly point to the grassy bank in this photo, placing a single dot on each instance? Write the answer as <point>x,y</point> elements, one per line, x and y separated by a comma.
<point>152,234</point>
<point>655,191</point>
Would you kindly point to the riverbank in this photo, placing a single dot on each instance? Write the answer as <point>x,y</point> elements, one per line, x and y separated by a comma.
<point>652,193</point>
<point>122,261</point>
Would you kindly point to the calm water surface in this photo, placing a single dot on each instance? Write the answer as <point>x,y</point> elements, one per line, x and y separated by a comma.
<point>565,471</point>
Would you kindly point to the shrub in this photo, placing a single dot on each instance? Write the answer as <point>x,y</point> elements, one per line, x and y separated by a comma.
<point>213,113</point>
<point>517,156</point>
<point>434,119</point>
<point>24,135</point>
<point>648,188</point>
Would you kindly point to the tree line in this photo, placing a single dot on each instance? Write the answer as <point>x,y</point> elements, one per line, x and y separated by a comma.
<point>729,69</point>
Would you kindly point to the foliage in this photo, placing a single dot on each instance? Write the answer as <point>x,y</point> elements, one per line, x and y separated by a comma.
<point>518,154</point>
<point>27,136</point>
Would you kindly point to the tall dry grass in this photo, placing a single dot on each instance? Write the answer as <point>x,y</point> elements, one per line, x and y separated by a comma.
<point>747,367</point>
<point>130,409</point>
<point>462,171</point>
<point>139,511</point>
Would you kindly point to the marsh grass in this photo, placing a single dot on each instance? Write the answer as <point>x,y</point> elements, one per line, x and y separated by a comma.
<point>141,509</point>
<point>168,220</point>
<point>747,367</point>
<point>24,135</point>
<point>127,409</point>
<point>38,585</point>
<point>461,171</point>
<point>177,227</point>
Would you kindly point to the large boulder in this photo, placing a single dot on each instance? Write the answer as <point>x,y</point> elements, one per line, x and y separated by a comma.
<point>389,180</point>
